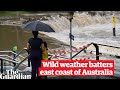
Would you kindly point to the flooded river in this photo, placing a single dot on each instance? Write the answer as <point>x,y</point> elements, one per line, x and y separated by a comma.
<point>11,36</point>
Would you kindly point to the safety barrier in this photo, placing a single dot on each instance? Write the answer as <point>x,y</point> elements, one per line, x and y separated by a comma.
<point>13,59</point>
<point>59,53</point>
<point>98,54</point>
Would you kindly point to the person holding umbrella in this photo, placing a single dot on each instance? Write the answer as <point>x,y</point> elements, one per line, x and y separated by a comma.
<point>35,47</point>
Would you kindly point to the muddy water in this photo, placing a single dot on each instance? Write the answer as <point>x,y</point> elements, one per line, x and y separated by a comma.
<point>11,36</point>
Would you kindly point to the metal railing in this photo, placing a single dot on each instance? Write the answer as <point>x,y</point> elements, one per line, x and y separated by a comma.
<point>97,49</point>
<point>13,59</point>
<point>97,52</point>
<point>13,53</point>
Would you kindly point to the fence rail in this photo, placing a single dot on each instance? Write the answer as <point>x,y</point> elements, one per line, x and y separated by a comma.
<point>13,59</point>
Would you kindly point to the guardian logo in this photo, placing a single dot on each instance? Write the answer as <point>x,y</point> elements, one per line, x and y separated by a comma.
<point>10,74</point>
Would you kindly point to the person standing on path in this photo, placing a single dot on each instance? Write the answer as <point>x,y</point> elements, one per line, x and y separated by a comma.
<point>35,46</point>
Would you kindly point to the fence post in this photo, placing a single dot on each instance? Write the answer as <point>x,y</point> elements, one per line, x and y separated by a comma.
<point>28,62</point>
<point>97,51</point>
<point>14,55</point>
<point>28,57</point>
<point>1,65</point>
<point>114,23</point>
<point>97,55</point>
<point>114,34</point>
<point>14,58</point>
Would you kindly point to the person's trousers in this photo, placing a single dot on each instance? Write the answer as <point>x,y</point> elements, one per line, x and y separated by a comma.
<point>35,65</point>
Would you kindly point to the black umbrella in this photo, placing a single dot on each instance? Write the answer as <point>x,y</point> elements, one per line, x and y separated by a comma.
<point>37,26</point>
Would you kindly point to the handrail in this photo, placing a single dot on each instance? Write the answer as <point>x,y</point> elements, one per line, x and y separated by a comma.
<point>12,53</point>
<point>13,59</point>
<point>2,58</point>
<point>19,54</point>
<point>97,49</point>
<point>15,62</point>
<point>6,56</point>
<point>81,50</point>
<point>20,63</point>
<point>5,59</point>
<point>15,53</point>
<point>107,45</point>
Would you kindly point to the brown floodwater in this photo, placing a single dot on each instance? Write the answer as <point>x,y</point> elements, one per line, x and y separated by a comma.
<point>11,36</point>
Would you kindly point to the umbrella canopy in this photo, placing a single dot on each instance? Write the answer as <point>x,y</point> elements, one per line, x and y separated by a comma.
<point>37,26</point>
